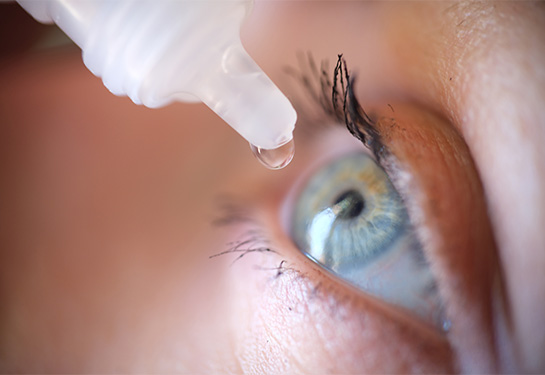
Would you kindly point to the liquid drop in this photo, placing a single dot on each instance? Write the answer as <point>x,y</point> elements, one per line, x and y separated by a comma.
<point>276,158</point>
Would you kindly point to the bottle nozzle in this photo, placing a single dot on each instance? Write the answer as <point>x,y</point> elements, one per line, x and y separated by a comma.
<point>242,94</point>
<point>158,53</point>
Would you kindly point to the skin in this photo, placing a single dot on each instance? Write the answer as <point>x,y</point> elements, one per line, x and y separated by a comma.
<point>106,208</point>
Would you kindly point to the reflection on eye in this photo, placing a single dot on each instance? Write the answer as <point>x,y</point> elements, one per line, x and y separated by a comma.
<point>350,220</point>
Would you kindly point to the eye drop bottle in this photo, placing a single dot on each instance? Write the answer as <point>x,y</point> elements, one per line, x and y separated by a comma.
<point>161,51</point>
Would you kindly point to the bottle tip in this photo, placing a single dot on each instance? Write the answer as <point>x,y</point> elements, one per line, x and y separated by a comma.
<point>276,158</point>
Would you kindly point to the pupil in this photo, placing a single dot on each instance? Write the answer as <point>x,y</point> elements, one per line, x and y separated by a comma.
<point>351,204</point>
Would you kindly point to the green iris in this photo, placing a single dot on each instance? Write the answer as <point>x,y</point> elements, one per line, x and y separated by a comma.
<point>348,213</point>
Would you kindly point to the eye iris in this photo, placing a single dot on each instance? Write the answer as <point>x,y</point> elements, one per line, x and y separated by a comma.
<point>350,203</point>
<point>348,213</point>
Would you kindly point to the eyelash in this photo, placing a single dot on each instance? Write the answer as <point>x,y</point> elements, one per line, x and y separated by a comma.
<point>253,240</point>
<point>257,239</point>
<point>339,106</point>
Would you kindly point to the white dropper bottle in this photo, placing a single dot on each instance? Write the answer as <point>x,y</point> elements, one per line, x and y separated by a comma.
<point>161,51</point>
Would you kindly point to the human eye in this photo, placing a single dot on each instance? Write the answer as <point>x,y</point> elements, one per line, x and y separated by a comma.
<point>350,219</point>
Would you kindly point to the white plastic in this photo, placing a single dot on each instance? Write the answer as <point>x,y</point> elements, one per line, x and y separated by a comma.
<point>160,51</point>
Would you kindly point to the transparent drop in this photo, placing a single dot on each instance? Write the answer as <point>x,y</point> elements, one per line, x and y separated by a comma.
<point>276,158</point>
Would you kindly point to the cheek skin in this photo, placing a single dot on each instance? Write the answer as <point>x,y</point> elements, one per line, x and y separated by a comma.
<point>444,198</point>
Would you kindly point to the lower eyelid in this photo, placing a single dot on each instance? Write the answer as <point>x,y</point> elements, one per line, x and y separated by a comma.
<point>326,305</point>
<point>445,197</point>
<point>303,317</point>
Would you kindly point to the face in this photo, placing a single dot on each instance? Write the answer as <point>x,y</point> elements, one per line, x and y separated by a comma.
<point>151,240</point>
